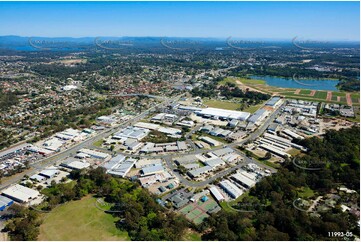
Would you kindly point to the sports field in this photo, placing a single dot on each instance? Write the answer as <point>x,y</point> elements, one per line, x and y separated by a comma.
<point>303,94</point>
<point>80,220</point>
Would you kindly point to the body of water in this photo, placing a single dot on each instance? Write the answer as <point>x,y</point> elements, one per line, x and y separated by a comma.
<point>312,84</point>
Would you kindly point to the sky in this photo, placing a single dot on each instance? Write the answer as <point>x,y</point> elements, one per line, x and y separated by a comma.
<point>263,20</point>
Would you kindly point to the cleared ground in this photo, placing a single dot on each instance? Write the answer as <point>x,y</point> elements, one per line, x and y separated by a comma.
<point>80,220</point>
<point>222,104</point>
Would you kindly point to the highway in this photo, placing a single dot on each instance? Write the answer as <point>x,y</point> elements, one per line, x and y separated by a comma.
<point>41,164</point>
<point>168,158</point>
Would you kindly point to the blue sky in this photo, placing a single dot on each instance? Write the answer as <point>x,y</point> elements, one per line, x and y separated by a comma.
<point>274,20</point>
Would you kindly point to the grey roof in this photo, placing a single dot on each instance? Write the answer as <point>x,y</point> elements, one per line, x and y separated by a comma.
<point>152,169</point>
<point>257,115</point>
<point>186,159</point>
<point>272,101</point>
<point>5,200</point>
<point>215,162</point>
<point>123,168</point>
<point>223,151</point>
<point>199,171</point>
<point>181,145</point>
<point>113,162</point>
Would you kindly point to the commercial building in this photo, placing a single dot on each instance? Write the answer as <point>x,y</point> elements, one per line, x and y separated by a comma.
<point>20,193</point>
<point>217,113</point>
<point>231,188</point>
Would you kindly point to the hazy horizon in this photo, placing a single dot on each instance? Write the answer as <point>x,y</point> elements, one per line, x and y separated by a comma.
<point>335,21</point>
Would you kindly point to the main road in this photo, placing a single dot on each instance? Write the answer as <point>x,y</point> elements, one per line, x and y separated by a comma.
<point>41,164</point>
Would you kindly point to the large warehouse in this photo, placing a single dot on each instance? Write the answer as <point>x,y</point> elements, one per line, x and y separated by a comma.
<point>217,113</point>
<point>20,193</point>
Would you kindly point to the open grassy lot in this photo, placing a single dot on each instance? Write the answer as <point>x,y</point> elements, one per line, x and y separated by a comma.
<point>222,104</point>
<point>98,143</point>
<point>80,220</point>
<point>192,235</point>
<point>305,193</point>
<point>254,108</point>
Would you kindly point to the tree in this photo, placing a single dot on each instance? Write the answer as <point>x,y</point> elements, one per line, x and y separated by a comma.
<point>268,156</point>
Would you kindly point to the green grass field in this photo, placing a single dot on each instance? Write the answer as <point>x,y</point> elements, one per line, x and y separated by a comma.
<point>98,143</point>
<point>222,104</point>
<point>305,193</point>
<point>80,220</point>
<point>192,235</point>
<point>305,92</point>
<point>320,95</point>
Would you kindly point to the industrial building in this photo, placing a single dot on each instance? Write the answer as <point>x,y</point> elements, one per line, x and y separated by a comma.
<point>147,162</point>
<point>243,180</point>
<point>217,113</point>
<point>274,150</point>
<point>113,162</point>
<point>223,152</point>
<point>76,164</point>
<point>150,170</point>
<point>258,116</point>
<point>131,132</point>
<point>20,193</point>
<point>195,173</point>
<point>5,202</point>
<point>210,141</point>
<point>216,193</point>
<point>187,159</point>
<point>49,172</point>
<point>122,168</point>
<point>94,154</point>
<point>273,102</point>
<point>214,163</point>
<point>292,134</point>
<point>231,188</point>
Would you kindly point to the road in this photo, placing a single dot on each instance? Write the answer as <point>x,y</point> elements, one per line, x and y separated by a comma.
<point>246,160</point>
<point>73,150</point>
<point>168,158</point>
